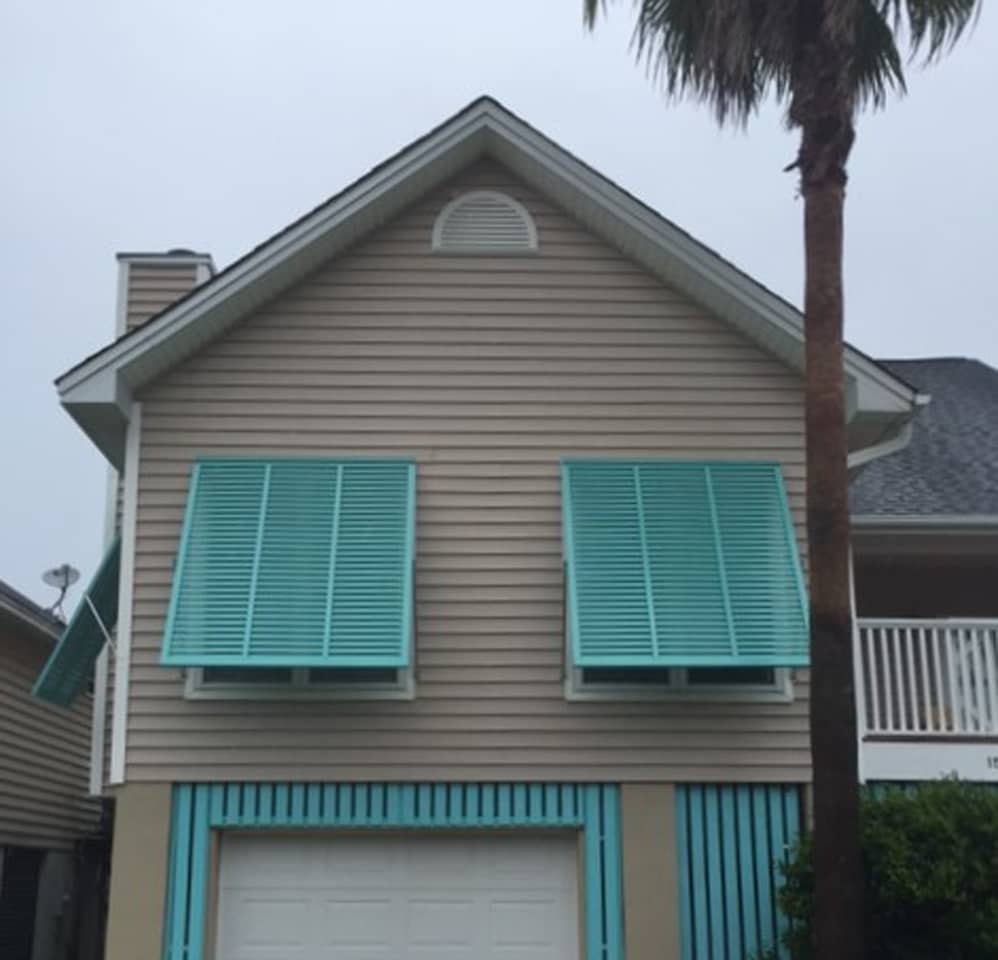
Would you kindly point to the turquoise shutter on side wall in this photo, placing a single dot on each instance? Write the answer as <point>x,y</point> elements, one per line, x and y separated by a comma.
<point>675,563</point>
<point>68,669</point>
<point>294,562</point>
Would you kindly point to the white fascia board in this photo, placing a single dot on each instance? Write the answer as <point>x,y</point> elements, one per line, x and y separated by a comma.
<point>256,266</point>
<point>878,389</point>
<point>762,314</point>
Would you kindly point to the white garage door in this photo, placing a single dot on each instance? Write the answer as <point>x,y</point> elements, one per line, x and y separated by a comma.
<point>392,897</point>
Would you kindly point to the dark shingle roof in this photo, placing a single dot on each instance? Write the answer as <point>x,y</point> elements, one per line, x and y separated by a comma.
<point>28,611</point>
<point>951,464</point>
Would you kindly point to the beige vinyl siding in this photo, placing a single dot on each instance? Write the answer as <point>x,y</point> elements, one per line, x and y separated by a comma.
<point>153,287</point>
<point>44,753</point>
<point>486,370</point>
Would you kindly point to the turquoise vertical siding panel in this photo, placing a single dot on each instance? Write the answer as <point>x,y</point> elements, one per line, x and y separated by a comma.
<point>199,808</point>
<point>612,884</point>
<point>199,874</point>
<point>175,923</point>
<point>683,855</point>
<point>762,841</point>
<point>729,854</point>
<point>746,846</point>
<point>593,866</point>
<point>730,842</point>
<point>698,872</point>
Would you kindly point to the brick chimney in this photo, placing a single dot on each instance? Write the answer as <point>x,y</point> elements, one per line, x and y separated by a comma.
<point>150,282</point>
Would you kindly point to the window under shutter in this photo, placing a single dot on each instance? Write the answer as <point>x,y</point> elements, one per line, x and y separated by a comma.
<point>70,665</point>
<point>294,562</point>
<point>673,563</point>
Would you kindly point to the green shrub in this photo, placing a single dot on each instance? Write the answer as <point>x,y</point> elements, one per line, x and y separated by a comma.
<point>930,863</point>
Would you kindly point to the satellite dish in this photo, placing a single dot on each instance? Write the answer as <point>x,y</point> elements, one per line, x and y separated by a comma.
<point>62,578</point>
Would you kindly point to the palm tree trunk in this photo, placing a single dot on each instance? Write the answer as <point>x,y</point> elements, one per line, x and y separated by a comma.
<point>837,921</point>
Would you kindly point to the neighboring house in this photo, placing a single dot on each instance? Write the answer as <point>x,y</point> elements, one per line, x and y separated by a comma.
<point>461,595</point>
<point>49,868</point>
<point>925,546</point>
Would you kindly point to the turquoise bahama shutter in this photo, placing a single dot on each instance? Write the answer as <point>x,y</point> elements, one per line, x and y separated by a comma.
<point>68,669</point>
<point>677,563</point>
<point>294,562</point>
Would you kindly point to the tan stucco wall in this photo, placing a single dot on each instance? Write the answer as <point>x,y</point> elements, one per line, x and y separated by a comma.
<point>138,872</point>
<point>648,853</point>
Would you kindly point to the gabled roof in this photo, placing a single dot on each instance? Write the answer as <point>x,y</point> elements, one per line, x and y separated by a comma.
<point>98,392</point>
<point>16,605</point>
<point>949,469</point>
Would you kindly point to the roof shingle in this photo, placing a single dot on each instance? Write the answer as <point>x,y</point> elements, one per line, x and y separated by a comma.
<point>950,467</point>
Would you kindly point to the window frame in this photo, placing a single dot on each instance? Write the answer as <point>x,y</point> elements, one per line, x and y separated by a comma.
<point>195,687</point>
<point>781,690</point>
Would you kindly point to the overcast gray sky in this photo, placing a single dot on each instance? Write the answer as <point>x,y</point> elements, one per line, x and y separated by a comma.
<point>212,123</point>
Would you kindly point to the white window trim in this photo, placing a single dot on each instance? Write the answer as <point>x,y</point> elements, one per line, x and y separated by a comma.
<point>438,246</point>
<point>298,689</point>
<point>781,690</point>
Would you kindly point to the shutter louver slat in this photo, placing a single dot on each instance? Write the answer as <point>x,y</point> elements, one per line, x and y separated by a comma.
<point>674,563</point>
<point>291,562</point>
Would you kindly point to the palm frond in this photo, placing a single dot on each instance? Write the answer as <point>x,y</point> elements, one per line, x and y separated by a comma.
<point>932,25</point>
<point>732,54</point>
<point>877,65</point>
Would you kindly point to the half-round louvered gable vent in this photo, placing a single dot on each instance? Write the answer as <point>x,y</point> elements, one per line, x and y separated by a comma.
<point>484,221</point>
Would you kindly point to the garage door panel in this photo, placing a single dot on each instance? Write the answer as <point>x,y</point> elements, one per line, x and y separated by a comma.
<point>442,921</point>
<point>350,922</point>
<point>267,927</point>
<point>398,897</point>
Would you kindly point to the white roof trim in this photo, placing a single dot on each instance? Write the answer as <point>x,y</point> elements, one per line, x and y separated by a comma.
<point>98,391</point>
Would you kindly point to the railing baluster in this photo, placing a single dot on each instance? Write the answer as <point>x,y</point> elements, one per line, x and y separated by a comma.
<point>988,635</point>
<point>869,635</point>
<point>925,703</point>
<point>954,700</point>
<point>911,668</point>
<point>885,644</point>
<point>977,681</point>
<point>966,680</point>
<point>939,700</point>
<point>911,656</point>
<point>902,721</point>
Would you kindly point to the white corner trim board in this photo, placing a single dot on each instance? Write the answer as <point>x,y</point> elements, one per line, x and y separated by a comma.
<point>119,725</point>
<point>98,707</point>
<point>98,720</point>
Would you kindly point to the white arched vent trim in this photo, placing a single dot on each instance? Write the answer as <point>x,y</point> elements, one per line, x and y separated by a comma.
<point>484,221</point>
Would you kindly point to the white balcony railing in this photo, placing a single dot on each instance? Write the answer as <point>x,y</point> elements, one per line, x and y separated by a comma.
<point>928,678</point>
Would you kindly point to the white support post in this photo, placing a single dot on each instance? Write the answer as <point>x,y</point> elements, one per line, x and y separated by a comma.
<point>857,667</point>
